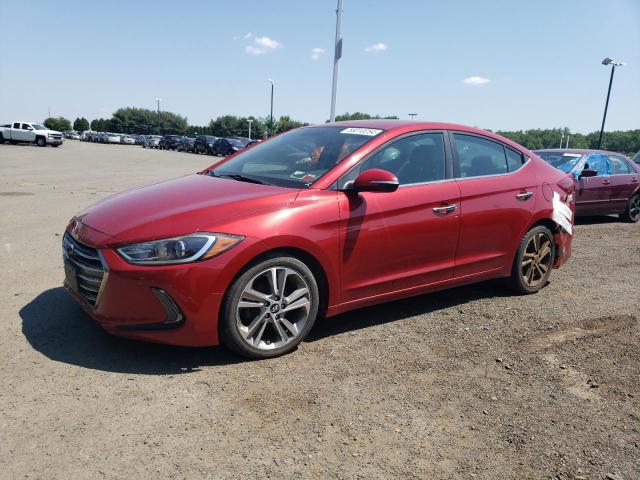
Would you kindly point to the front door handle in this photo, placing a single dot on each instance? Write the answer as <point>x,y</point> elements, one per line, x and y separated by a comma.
<point>634,180</point>
<point>524,196</point>
<point>444,210</point>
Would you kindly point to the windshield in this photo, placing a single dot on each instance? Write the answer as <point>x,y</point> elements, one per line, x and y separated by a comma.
<point>636,157</point>
<point>235,143</point>
<point>561,160</point>
<point>299,157</point>
<point>37,126</point>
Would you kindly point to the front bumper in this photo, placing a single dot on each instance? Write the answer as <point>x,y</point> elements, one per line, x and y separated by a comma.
<point>55,141</point>
<point>136,301</point>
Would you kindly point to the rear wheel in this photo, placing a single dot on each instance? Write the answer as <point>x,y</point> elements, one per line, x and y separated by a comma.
<point>534,260</point>
<point>632,213</point>
<point>270,308</point>
<point>1,139</point>
<point>41,142</point>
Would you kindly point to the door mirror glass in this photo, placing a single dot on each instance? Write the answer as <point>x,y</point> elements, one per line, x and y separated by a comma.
<point>374,180</point>
<point>588,172</point>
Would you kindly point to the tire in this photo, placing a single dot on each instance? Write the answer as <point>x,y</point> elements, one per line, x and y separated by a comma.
<point>533,261</point>
<point>263,331</point>
<point>55,145</point>
<point>632,213</point>
<point>1,139</point>
<point>41,142</point>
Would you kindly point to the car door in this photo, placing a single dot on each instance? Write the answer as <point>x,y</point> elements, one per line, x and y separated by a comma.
<point>407,238</point>
<point>498,190</point>
<point>624,182</point>
<point>594,193</point>
<point>17,133</point>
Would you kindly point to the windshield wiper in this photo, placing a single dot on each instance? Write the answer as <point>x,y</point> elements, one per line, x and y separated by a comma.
<point>237,176</point>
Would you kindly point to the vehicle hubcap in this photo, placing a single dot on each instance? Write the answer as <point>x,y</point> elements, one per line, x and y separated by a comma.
<point>536,260</point>
<point>634,208</point>
<point>273,308</point>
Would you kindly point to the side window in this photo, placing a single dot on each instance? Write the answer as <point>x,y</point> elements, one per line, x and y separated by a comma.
<point>619,166</point>
<point>514,159</point>
<point>479,157</point>
<point>600,163</point>
<point>414,159</point>
<point>16,125</point>
<point>26,126</point>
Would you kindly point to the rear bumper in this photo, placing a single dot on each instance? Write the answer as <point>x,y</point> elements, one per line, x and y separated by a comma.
<point>563,241</point>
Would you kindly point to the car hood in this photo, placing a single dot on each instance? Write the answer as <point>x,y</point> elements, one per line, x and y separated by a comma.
<point>181,206</point>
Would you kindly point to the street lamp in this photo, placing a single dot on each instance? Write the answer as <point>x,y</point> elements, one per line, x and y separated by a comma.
<point>412,115</point>
<point>337,53</point>
<point>271,116</point>
<point>607,61</point>
<point>249,122</point>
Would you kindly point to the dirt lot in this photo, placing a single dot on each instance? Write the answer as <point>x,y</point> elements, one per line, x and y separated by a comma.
<point>468,383</point>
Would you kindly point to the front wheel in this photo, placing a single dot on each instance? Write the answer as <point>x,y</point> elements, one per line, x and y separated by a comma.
<point>41,142</point>
<point>534,260</point>
<point>632,213</point>
<point>270,308</point>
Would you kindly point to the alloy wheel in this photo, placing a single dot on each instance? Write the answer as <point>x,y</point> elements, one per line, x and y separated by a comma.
<point>273,308</point>
<point>536,260</point>
<point>634,208</point>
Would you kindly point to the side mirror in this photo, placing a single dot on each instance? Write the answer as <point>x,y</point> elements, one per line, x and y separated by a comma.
<point>588,172</point>
<point>375,180</point>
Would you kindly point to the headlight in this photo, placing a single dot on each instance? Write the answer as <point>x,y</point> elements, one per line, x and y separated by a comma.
<point>189,248</point>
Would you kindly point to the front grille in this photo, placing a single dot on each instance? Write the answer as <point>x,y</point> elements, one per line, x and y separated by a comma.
<point>55,136</point>
<point>90,271</point>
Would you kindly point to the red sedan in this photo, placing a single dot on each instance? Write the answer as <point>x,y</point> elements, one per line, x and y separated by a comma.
<point>313,223</point>
<point>608,182</point>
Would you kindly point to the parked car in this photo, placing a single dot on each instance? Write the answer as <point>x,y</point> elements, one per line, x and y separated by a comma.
<point>609,182</point>
<point>315,222</point>
<point>226,146</point>
<point>243,140</point>
<point>72,135</point>
<point>128,140</point>
<point>636,157</point>
<point>252,143</point>
<point>169,142</point>
<point>152,141</point>
<point>112,138</point>
<point>29,132</point>
<point>204,144</point>
<point>186,144</point>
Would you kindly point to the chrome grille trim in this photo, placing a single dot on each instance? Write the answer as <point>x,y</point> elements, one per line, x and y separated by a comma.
<point>90,267</point>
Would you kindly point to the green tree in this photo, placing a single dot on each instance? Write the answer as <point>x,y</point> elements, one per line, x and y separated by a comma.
<point>362,116</point>
<point>60,124</point>
<point>285,123</point>
<point>81,124</point>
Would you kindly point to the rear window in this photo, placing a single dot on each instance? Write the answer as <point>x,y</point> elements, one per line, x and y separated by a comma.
<point>565,161</point>
<point>479,157</point>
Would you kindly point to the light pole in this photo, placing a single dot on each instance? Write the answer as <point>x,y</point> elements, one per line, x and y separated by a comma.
<point>158,100</point>
<point>337,54</point>
<point>412,115</point>
<point>271,115</point>
<point>607,61</point>
<point>249,122</point>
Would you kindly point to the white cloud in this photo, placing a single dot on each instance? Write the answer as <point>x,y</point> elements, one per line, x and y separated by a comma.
<point>262,45</point>
<point>377,48</point>
<point>475,80</point>
<point>316,53</point>
<point>248,35</point>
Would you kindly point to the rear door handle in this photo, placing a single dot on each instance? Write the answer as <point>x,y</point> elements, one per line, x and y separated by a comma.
<point>606,182</point>
<point>444,210</point>
<point>524,196</point>
<point>634,180</point>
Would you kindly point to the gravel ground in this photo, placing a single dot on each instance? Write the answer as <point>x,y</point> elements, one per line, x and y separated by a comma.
<point>467,383</point>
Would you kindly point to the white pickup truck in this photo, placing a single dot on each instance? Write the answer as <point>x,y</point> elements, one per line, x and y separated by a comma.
<point>30,132</point>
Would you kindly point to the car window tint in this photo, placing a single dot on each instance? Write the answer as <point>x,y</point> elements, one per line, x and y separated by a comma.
<point>414,159</point>
<point>16,125</point>
<point>478,157</point>
<point>26,126</point>
<point>619,166</point>
<point>514,160</point>
<point>598,162</point>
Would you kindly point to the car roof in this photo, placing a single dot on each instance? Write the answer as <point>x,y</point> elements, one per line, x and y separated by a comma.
<point>576,150</point>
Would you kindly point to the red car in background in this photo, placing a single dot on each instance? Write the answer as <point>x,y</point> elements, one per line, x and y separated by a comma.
<point>608,182</point>
<point>315,222</point>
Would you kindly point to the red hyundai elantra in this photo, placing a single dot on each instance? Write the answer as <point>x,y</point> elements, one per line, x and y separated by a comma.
<point>316,222</point>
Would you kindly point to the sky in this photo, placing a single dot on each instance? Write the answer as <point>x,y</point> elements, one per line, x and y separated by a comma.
<point>501,65</point>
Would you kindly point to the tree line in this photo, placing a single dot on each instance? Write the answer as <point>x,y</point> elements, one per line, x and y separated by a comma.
<point>150,122</point>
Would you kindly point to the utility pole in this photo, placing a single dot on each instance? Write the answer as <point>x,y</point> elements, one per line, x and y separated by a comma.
<point>271,115</point>
<point>561,138</point>
<point>412,115</point>
<point>614,64</point>
<point>337,54</point>
<point>249,122</point>
<point>158,102</point>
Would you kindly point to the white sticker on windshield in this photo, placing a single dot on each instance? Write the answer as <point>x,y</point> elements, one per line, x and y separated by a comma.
<point>571,154</point>
<point>370,132</point>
